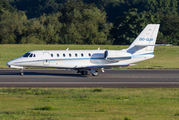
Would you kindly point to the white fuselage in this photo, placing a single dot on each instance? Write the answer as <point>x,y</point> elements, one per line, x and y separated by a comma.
<point>141,49</point>
<point>75,59</point>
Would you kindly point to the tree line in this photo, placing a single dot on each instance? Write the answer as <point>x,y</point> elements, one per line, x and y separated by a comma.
<point>86,22</point>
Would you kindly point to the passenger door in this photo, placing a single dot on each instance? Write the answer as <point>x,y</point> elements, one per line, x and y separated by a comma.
<point>46,58</point>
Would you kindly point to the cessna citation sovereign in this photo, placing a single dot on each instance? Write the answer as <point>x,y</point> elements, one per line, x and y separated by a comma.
<point>83,61</point>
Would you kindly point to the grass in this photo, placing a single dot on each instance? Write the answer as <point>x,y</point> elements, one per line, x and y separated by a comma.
<point>45,108</point>
<point>165,57</point>
<point>84,103</point>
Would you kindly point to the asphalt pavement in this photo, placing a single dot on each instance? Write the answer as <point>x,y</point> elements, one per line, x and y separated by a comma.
<point>130,78</point>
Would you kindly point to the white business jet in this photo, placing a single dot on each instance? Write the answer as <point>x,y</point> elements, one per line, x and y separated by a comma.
<point>83,61</point>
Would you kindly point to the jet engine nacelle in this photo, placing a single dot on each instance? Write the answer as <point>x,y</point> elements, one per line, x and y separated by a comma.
<point>115,55</point>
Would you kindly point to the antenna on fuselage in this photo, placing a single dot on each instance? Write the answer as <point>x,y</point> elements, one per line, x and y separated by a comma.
<point>67,49</point>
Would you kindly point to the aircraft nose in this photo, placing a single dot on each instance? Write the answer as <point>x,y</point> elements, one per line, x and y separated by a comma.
<point>8,63</point>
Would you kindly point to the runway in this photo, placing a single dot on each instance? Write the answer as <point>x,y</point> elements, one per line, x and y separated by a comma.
<point>109,79</point>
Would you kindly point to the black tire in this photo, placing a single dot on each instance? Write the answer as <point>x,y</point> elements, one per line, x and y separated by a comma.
<point>95,74</point>
<point>21,74</point>
<point>84,72</point>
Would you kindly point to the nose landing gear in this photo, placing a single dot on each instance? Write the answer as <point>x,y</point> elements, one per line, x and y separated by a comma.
<point>21,72</point>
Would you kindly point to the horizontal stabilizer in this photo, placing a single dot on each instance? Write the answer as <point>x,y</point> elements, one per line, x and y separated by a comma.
<point>144,45</point>
<point>132,64</point>
<point>155,45</point>
<point>163,44</point>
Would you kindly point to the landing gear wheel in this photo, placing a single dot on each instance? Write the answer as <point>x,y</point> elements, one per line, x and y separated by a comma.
<point>95,74</point>
<point>84,72</point>
<point>21,72</point>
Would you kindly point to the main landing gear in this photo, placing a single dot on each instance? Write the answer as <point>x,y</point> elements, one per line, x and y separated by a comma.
<point>85,72</point>
<point>94,72</point>
<point>21,72</point>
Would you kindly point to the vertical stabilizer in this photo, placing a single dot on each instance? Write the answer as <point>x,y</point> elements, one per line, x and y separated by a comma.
<point>146,40</point>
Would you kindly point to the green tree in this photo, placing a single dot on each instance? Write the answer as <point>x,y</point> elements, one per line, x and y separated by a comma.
<point>50,31</point>
<point>5,6</point>
<point>44,30</point>
<point>128,27</point>
<point>11,22</point>
<point>12,26</point>
<point>36,8</point>
<point>83,24</point>
<point>167,7</point>
<point>31,33</point>
<point>169,30</point>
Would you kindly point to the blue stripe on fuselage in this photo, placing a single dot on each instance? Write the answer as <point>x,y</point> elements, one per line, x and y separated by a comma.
<point>141,55</point>
<point>102,58</point>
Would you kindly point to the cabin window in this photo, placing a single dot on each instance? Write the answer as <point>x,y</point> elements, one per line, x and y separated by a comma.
<point>89,54</point>
<point>76,55</point>
<point>26,55</point>
<point>70,55</point>
<point>81,54</point>
<point>34,55</point>
<point>51,55</point>
<point>57,55</point>
<point>63,55</point>
<point>31,55</point>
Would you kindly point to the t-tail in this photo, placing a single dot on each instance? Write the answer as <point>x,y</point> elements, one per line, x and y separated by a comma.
<point>145,42</point>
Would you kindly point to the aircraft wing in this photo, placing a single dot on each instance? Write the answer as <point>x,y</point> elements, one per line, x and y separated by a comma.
<point>97,67</point>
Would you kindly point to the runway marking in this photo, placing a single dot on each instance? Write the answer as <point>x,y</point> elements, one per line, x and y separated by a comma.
<point>89,82</point>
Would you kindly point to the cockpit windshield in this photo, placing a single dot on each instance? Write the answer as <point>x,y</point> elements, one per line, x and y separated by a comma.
<point>26,55</point>
<point>31,55</point>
